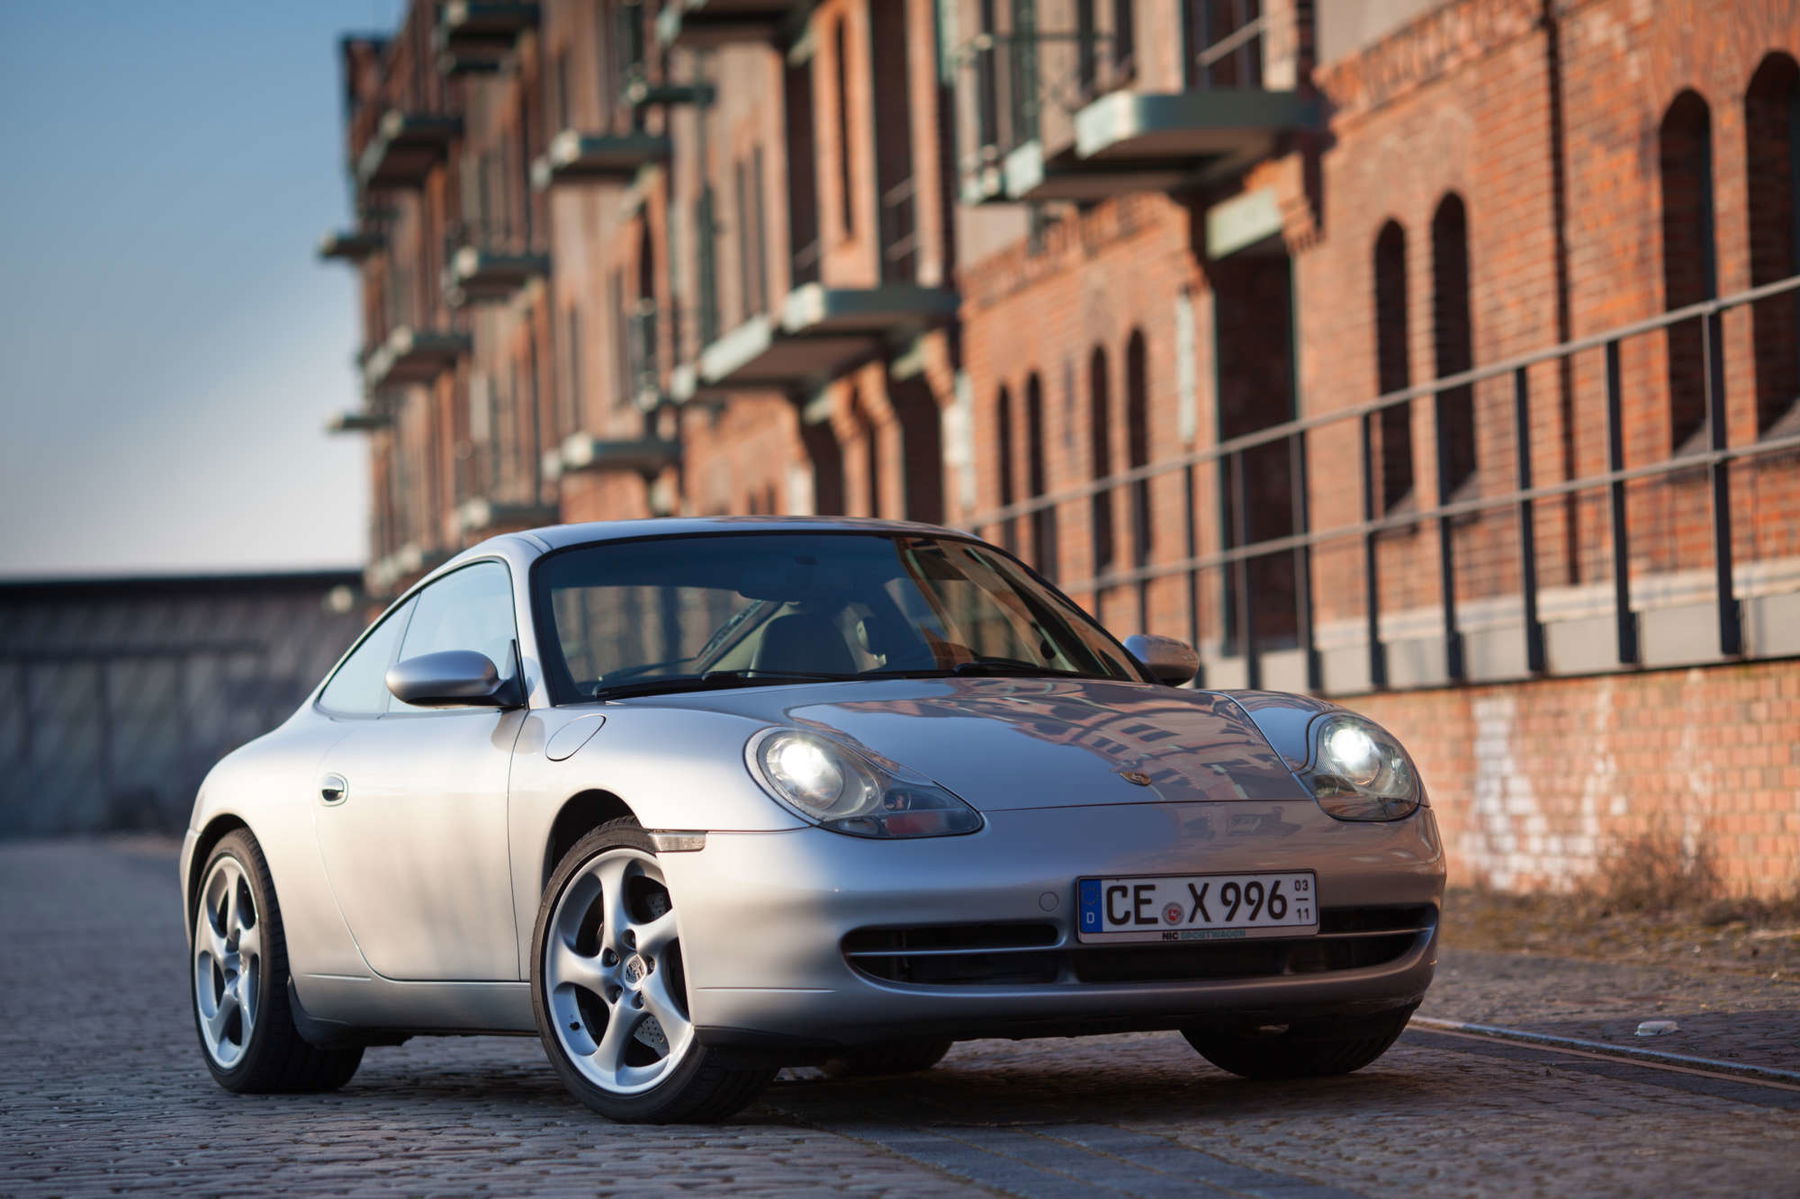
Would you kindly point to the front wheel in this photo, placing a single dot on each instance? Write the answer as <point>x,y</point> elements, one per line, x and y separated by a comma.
<point>240,982</point>
<point>610,993</point>
<point>1312,1049</point>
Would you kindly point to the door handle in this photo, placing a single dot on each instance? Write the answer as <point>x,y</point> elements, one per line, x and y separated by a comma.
<point>333,789</point>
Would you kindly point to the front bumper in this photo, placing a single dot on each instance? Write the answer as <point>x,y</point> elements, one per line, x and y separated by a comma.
<point>765,917</point>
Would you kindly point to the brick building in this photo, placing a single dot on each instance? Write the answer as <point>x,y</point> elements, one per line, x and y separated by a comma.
<point>1440,356</point>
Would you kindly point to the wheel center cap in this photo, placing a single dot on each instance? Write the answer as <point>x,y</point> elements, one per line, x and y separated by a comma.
<point>635,969</point>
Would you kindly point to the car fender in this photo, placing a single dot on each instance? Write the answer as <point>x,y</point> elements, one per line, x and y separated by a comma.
<point>673,769</point>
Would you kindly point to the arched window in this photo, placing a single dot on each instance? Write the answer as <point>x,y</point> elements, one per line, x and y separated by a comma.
<point>1772,145</point>
<point>1690,271</point>
<point>1100,513</point>
<point>1392,456</point>
<point>1037,476</point>
<point>1137,442</point>
<point>1453,344</point>
<point>1003,464</point>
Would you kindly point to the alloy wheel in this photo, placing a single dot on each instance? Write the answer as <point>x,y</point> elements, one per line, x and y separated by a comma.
<point>227,962</point>
<point>613,975</point>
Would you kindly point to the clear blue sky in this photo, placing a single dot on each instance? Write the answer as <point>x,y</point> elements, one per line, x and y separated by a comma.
<point>170,349</point>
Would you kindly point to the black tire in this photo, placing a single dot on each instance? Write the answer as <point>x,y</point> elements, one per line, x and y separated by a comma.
<point>703,1087</point>
<point>1314,1049</point>
<point>274,1058</point>
<point>890,1057</point>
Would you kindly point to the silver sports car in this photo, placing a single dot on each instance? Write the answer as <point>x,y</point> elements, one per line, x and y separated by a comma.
<point>694,799</point>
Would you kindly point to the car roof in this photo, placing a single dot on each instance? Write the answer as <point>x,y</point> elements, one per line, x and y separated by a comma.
<point>556,537</point>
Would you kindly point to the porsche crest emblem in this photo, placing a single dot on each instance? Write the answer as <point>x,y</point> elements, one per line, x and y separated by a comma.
<point>1135,776</point>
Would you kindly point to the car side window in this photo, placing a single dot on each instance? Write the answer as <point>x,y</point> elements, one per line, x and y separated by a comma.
<point>359,688</point>
<point>469,609</point>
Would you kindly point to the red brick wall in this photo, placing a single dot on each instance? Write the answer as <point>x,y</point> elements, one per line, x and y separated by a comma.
<point>1534,784</point>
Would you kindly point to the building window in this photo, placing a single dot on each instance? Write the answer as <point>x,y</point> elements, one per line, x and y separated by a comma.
<point>1690,270</point>
<point>1124,39</point>
<point>1003,465</point>
<point>895,188</point>
<point>1453,344</point>
<point>802,175</point>
<point>559,82</point>
<point>1137,442</point>
<point>1100,512</point>
<point>1223,43</point>
<point>746,239</point>
<point>1037,476</point>
<point>1391,453</point>
<point>1087,49</point>
<point>1772,145</point>
<point>846,193</point>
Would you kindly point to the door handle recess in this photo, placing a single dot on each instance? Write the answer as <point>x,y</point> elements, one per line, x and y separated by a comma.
<point>333,789</point>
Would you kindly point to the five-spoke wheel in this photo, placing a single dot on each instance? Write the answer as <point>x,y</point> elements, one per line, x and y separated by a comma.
<point>612,973</point>
<point>610,992</point>
<point>242,1008</point>
<point>227,955</point>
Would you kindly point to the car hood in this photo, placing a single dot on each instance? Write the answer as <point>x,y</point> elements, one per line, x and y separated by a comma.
<point>1005,743</point>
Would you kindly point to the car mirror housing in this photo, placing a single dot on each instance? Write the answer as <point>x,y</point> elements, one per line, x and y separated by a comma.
<point>1167,659</point>
<point>453,678</point>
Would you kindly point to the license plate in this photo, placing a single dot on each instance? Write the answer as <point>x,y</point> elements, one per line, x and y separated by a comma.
<point>1197,907</point>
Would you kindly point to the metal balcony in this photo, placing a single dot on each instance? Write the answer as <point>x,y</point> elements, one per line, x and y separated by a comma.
<point>351,245</point>
<point>818,333</point>
<point>483,266</point>
<point>478,25</point>
<point>404,149</point>
<point>359,421</point>
<point>705,24</point>
<point>583,453</point>
<point>575,157</point>
<point>1052,116</point>
<point>412,356</point>
<point>474,38</point>
<point>487,517</point>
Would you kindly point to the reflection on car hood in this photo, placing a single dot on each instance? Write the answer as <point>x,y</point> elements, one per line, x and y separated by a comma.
<point>1034,742</point>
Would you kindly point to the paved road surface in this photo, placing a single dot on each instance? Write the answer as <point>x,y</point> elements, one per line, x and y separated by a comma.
<point>103,1091</point>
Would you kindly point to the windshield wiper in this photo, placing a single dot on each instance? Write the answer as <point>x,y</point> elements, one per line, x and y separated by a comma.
<point>718,680</point>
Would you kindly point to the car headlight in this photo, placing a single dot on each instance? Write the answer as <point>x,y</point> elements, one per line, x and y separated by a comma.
<point>848,791</point>
<point>1359,771</point>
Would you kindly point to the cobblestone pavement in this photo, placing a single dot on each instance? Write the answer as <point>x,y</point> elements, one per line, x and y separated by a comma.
<point>103,1092</point>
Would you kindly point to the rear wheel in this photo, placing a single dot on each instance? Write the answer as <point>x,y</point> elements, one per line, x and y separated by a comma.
<point>240,982</point>
<point>610,994</point>
<point>892,1057</point>
<point>1310,1049</point>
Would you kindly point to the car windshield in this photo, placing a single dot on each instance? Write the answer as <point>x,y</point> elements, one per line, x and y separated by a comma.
<point>739,609</point>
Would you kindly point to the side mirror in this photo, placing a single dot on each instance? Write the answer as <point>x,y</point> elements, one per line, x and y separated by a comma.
<point>452,678</point>
<point>1168,660</point>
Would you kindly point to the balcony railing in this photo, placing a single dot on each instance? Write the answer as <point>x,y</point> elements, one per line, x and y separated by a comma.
<point>487,262</point>
<point>403,148</point>
<point>1010,86</point>
<point>1627,596</point>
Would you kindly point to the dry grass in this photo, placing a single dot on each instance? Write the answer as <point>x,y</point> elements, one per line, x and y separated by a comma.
<point>1653,902</point>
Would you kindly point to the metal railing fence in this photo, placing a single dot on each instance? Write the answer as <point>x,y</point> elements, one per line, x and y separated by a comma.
<point>1228,460</point>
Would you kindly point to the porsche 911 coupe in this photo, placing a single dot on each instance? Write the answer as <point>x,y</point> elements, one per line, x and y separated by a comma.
<point>691,800</point>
